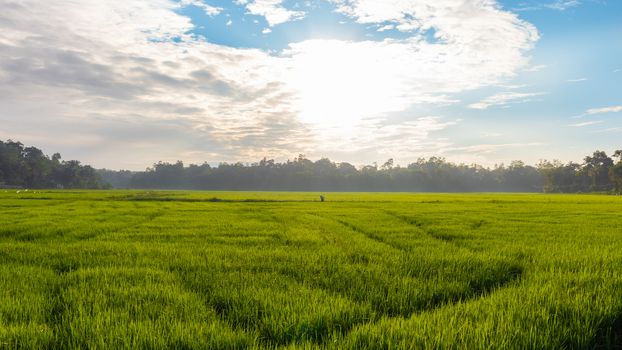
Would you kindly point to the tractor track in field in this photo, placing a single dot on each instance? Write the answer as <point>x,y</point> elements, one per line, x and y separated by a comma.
<point>355,229</point>
<point>479,289</point>
<point>369,235</point>
<point>412,222</point>
<point>421,226</point>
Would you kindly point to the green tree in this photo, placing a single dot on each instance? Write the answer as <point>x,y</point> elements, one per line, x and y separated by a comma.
<point>30,167</point>
<point>615,172</point>
<point>597,169</point>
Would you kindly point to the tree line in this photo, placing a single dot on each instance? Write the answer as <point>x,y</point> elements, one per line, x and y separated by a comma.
<point>301,174</point>
<point>29,167</point>
<point>597,173</point>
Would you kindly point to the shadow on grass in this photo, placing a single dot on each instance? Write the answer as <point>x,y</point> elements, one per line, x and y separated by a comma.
<point>610,335</point>
<point>210,200</point>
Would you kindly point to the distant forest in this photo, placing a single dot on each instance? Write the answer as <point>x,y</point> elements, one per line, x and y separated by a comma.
<point>29,167</point>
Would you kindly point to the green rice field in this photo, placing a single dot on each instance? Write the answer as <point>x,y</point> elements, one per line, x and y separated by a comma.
<point>238,270</point>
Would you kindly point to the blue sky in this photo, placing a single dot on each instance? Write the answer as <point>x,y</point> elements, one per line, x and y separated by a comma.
<point>123,84</point>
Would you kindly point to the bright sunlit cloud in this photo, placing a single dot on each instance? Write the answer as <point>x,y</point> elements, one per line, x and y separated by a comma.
<point>505,98</point>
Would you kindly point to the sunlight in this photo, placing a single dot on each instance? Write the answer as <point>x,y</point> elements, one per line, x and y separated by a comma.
<point>341,83</point>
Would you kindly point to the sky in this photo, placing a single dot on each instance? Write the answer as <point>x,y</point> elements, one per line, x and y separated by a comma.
<point>122,84</point>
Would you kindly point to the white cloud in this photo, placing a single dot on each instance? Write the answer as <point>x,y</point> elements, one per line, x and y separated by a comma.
<point>562,5</point>
<point>477,45</point>
<point>99,65</point>
<point>266,31</point>
<point>375,139</point>
<point>487,148</point>
<point>386,27</point>
<point>95,64</point>
<point>607,130</point>
<point>576,80</point>
<point>504,98</point>
<point>208,9</point>
<point>229,22</point>
<point>272,10</point>
<point>513,86</point>
<point>612,109</point>
<point>536,68</point>
<point>593,122</point>
<point>559,5</point>
<point>452,20</point>
<point>592,111</point>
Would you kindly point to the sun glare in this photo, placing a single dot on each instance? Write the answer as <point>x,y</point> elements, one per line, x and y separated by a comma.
<point>341,83</point>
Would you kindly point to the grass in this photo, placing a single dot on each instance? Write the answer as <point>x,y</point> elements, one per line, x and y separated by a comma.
<point>195,270</point>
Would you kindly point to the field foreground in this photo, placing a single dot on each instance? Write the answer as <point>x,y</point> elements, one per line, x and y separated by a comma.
<point>129,269</point>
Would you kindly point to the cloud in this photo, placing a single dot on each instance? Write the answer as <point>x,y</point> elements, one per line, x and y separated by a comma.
<point>452,21</point>
<point>272,10</point>
<point>386,27</point>
<point>375,140</point>
<point>94,67</point>
<point>593,111</point>
<point>504,98</point>
<point>513,86</point>
<point>593,122</point>
<point>208,9</point>
<point>558,5</point>
<point>489,148</point>
<point>562,5</point>
<point>576,80</point>
<point>536,68</point>
<point>618,129</point>
<point>612,109</point>
<point>382,134</point>
<point>476,45</point>
<point>119,59</point>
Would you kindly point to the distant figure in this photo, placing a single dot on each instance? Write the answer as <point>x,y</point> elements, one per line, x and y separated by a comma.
<point>321,198</point>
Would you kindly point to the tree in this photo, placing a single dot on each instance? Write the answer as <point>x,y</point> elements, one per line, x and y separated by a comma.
<point>597,169</point>
<point>562,178</point>
<point>388,165</point>
<point>426,174</point>
<point>615,172</point>
<point>30,167</point>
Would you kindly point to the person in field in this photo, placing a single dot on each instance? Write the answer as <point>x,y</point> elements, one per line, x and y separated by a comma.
<point>321,198</point>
